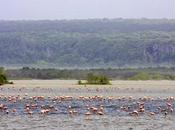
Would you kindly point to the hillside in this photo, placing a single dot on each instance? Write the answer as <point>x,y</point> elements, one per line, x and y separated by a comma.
<point>88,43</point>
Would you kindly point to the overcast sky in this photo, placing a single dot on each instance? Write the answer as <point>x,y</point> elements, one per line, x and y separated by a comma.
<point>83,9</point>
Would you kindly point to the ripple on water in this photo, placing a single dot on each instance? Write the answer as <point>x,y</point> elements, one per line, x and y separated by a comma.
<point>114,117</point>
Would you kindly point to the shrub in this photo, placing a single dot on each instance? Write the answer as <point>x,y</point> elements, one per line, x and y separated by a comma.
<point>97,79</point>
<point>3,78</point>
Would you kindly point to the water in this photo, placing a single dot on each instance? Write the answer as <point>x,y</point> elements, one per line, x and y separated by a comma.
<point>114,118</point>
<point>65,122</point>
<point>60,118</point>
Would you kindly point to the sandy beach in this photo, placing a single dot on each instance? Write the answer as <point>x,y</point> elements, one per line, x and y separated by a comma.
<point>69,87</point>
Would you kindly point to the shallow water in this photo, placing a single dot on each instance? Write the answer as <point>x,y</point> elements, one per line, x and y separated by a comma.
<point>114,117</point>
<point>64,122</point>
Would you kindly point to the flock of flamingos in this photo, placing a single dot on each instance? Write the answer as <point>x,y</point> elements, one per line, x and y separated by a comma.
<point>86,106</point>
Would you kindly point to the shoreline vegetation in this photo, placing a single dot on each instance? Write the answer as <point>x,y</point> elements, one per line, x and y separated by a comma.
<point>92,76</point>
<point>3,78</point>
<point>95,80</point>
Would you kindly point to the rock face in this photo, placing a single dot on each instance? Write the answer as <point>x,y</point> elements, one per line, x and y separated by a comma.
<point>159,53</point>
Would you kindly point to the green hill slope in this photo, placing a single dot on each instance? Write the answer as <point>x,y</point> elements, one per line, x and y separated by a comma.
<point>88,43</point>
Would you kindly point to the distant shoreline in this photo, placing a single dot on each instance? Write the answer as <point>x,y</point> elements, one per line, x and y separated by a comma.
<point>160,73</point>
<point>151,84</point>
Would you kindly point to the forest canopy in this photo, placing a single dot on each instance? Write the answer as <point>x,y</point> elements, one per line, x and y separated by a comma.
<point>93,43</point>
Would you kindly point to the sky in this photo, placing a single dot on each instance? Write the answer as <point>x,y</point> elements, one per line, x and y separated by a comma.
<point>85,9</point>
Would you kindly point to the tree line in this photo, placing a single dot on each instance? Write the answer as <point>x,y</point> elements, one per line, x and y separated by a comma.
<point>83,74</point>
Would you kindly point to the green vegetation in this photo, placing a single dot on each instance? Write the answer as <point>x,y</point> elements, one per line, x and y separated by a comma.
<point>151,76</point>
<point>147,76</point>
<point>140,76</point>
<point>98,43</point>
<point>93,75</point>
<point>95,79</point>
<point>3,79</point>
